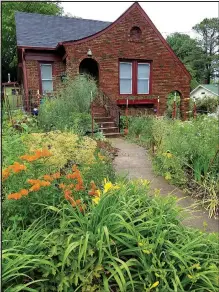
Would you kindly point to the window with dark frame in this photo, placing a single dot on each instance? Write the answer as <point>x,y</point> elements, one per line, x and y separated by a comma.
<point>134,77</point>
<point>46,78</point>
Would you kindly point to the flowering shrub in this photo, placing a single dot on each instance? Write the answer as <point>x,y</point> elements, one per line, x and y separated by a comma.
<point>64,147</point>
<point>32,186</point>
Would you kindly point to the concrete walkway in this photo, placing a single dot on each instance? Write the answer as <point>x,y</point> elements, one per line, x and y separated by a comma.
<point>134,162</point>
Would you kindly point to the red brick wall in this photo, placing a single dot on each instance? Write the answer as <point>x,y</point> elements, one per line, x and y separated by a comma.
<point>33,75</point>
<point>167,75</point>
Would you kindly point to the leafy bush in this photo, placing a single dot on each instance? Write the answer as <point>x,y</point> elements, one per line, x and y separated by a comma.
<point>129,241</point>
<point>184,151</point>
<point>70,107</point>
<point>207,105</point>
<point>64,147</point>
<point>141,127</point>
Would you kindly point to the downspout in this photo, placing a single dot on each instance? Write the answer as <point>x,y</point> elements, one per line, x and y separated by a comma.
<point>25,81</point>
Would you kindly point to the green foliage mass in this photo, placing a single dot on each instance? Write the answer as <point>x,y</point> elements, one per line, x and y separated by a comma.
<point>128,242</point>
<point>208,30</point>
<point>70,107</point>
<point>183,148</point>
<point>189,51</point>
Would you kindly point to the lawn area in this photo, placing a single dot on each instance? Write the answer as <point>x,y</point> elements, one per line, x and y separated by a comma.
<point>69,224</point>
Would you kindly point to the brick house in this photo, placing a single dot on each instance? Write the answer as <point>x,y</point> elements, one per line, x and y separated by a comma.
<point>129,57</point>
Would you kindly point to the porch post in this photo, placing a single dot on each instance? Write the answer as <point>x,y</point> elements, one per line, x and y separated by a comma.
<point>25,81</point>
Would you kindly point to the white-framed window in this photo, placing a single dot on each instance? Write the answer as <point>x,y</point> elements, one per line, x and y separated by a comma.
<point>143,77</point>
<point>134,77</point>
<point>46,78</point>
<point>125,77</point>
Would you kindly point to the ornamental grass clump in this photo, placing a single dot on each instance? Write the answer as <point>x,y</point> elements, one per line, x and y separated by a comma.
<point>70,108</point>
<point>129,241</point>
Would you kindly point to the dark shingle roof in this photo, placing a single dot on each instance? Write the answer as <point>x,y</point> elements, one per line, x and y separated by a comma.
<point>38,30</point>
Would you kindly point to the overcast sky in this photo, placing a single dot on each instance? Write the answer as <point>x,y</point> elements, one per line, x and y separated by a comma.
<point>168,17</point>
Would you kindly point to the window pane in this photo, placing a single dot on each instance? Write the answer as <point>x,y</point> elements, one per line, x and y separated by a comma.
<point>125,70</point>
<point>125,86</point>
<point>143,86</point>
<point>47,86</point>
<point>143,70</point>
<point>46,71</point>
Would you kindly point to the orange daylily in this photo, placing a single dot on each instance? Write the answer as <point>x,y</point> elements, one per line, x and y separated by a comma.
<point>38,154</point>
<point>76,203</point>
<point>45,183</point>
<point>74,168</point>
<point>62,186</point>
<point>24,192</point>
<point>71,176</point>
<point>35,188</point>
<point>33,181</point>
<point>5,173</point>
<point>93,190</point>
<point>48,177</point>
<point>79,187</point>
<point>67,194</point>
<point>15,196</point>
<point>17,167</point>
<point>56,175</point>
<point>82,208</point>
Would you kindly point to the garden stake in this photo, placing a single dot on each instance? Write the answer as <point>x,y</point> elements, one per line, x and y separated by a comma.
<point>126,113</point>
<point>194,109</point>
<point>174,108</point>
<point>9,110</point>
<point>158,105</point>
<point>92,115</point>
<point>16,92</point>
<point>38,97</point>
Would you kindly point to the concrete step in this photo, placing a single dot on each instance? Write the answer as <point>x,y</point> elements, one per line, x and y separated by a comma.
<point>113,135</point>
<point>99,114</point>
<point>110,130</point>
<point>105,124</point>
<point>102,119</point>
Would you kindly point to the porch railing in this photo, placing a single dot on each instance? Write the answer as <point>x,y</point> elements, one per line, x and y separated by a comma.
<point>110,105</point>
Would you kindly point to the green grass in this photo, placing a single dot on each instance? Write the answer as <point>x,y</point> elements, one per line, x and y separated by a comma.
<point>127,242</point>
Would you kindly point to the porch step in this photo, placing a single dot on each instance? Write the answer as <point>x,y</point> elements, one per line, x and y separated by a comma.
<point>109,130</point>
<point>113,135</point>
<point>105,123</point>
<point>101,114</point>
<point>102,119</point>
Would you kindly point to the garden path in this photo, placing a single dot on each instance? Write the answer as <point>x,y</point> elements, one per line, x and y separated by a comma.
<point>134,162</point>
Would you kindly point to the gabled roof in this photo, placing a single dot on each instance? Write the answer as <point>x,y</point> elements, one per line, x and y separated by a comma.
<point>212,88</point>
<point>38,30</point>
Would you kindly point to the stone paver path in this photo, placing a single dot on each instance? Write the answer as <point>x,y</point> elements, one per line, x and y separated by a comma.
<point>134,162</point>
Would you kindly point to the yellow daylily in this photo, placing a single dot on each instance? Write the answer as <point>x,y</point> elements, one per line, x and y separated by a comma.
<point>168,154</point>
<point>168,176</point>
<point>147,251</point>
<point>154,285</point>
<point>98,193</point>
<point>96,200</point>
<point>108,186</point>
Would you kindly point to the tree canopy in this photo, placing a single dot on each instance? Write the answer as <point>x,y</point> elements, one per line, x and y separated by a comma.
<point>208,29</point>
<point>9,52</point>
<point>189,51</point>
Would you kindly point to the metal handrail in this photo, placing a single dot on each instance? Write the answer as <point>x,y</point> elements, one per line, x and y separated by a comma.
<point>110,106</point>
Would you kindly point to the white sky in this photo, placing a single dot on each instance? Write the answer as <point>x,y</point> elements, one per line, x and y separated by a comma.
<point>168,17</point>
